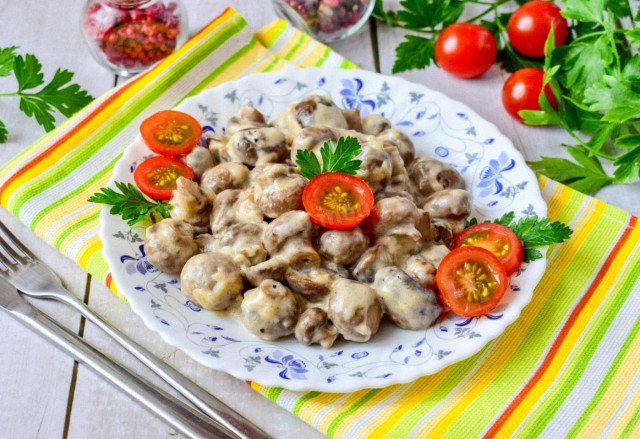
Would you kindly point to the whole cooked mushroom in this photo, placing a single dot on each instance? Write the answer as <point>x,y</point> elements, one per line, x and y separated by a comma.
<point>234,206</point>
<point>430,175</point>
<point>169,244</point>
<point>246,118</point>
<point>257,145</point>
<point>289,237</point>
<point>278,189</point>
<point>270,311</point>
<point>319,110</point>
<point>391,137</point>
<point>354,310</point>
<point>408,304</point>
<point>375,124</point>
<point>190,204</point>
<point>211,280</point>
<point>343,246</point>
<point>376,168</point>
<point>244,243</point>
<point>451,205</point>
<point>228,175</point>
<point>394,224</point>
<point>314,327</point>
<point>199,159</point>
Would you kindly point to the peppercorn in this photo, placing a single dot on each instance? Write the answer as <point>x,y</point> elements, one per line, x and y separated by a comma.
<point>133,38</point>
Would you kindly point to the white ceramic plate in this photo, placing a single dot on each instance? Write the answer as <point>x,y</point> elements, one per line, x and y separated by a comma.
<point>495,174</point>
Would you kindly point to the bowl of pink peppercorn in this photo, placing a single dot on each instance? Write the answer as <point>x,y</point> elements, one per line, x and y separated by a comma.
<point>326,20</point>
<point>128,36</point>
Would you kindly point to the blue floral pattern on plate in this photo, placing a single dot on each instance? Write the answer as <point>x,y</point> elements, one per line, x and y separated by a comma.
<point>494,172</point>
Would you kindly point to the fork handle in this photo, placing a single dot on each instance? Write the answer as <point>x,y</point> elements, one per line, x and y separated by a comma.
<point>185,419</point>
<point>199,397</point>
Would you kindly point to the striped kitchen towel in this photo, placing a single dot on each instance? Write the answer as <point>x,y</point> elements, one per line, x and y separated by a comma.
<point>568,367</point>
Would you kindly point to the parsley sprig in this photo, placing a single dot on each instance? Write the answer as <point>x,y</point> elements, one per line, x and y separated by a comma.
<point>338,159</point>
<point>595,78</point>
<point>130,203</point>
<point>532,232</point>
<point>59,94</point>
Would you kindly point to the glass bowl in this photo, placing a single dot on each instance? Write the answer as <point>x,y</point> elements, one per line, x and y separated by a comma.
<point>128,36</point>
<point>326,20</point>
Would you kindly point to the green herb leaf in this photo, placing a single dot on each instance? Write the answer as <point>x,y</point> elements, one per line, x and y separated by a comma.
<point>511,61</point>
<point>532,232</point>
<point>584,64</point>
<point>27,72</point>
<point>420,14</point>
<point>619,8</point>
<point>614,96</point>
<point>341,159</point>
<point>58,94</point>
<point>338,159</point>
<point>633,35</point>
<point>414,53</point>
<point>67,100</point>
<point>578,177</point>
<point>130,203</point>
<point>309,164</point>
<point>7,55</point>
<point>3,132</point>
<point>628,166</point>
<point>589,11</point>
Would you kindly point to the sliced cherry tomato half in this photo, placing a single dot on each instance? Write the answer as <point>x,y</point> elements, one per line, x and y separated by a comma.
<point>471,281</point>
<point>156,176</point>
<point>498,239</point>
<point>337,201</point>
<point>171,133</point>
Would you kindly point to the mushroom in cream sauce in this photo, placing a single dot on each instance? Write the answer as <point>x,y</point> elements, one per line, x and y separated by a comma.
<point>408,304</point>
<point>211,280</point>
<point>190,205</point>
<point>169,244</point>
<point>243,244</point>
<point>354,309</point>
<point>228,175</point>
<point>270,311</point>
<point>314,327</point>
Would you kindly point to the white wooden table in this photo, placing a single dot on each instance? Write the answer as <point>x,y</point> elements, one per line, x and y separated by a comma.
<point>44,393</point>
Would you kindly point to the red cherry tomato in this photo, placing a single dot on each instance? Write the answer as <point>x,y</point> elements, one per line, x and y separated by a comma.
<point>156,176</point>
<point>337,201</point>
<point>498,239</point>
<point>522,89</point>
<point>171,133</point>
<point>529,27</point>
<point>466,50</point>
<point>471,281</point>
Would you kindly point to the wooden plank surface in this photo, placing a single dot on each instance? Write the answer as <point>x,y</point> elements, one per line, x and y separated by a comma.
<point>43,394</point>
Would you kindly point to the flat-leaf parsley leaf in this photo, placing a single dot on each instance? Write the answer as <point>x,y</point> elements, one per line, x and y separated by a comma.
<point>130,203</point>
<point>532,232</point>
<point>338,159</point>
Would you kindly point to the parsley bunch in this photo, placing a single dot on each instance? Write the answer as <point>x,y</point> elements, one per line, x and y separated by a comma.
<point>595,78</point>
<point>58,94</point>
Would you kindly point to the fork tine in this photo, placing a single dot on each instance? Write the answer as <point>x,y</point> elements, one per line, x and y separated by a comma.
<point>16,242</point>
<point>5,263</point>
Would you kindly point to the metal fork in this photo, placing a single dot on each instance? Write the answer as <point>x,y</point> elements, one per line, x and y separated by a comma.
<point>36,279</point>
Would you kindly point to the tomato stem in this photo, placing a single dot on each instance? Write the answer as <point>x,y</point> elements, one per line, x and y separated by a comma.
<point>493,8</point>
